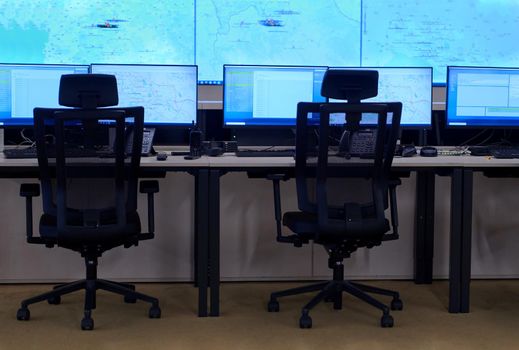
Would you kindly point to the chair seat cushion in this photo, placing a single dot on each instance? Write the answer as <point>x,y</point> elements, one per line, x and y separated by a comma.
<point>103,232</point>
<point>306,225</point>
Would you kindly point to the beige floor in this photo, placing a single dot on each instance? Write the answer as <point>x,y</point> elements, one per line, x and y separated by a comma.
<point>493,322</point>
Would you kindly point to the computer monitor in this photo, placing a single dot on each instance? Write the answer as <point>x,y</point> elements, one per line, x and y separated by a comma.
<point>267,96</point>
<point>482,97</point>
<point>25,86</point>
<point>168,93</point>
<point>410,85</point>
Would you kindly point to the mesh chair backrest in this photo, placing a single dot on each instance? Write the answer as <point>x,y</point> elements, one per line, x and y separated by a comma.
<point>67,140</point>
<point>319,160</point>
<point>66,176</point>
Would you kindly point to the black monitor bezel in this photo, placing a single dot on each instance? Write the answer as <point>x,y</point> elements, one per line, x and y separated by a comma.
<point>165,126</point>
<point>3,125</point>
<point>260,127</point>
<point>403,126</point>
<point>473,127</point>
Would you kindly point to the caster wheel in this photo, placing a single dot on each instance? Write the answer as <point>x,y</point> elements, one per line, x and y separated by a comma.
<point>154,312</point>
<point>386,321</point>
<point>23,314</point>
<point>54,300</point>
<point>305,322</point>
<point>87,324</point>
<point>129,299</point>
<point>273,306</point>
<point>396,304</point>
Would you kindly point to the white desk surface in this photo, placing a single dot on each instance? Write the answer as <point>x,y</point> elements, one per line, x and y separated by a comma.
<point>149,162</point>
<point>229,160</point>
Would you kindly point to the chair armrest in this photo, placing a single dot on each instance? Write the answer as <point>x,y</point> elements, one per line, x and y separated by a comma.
<point>150,187</point>
<point>393,183</point>
<point>294,239</point>
<point>278,177</point>
<point>29,190</point>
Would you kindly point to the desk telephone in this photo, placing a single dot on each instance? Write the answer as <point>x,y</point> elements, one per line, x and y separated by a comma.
<point>147,141</point>
<point>360,143</point>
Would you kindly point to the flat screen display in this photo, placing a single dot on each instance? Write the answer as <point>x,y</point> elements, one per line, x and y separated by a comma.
<point>410,85</point>
<point>268,95</point>
<point>482,97</point>
<point>210,33</point>
<point>168,93</point>
<point>26,86</point>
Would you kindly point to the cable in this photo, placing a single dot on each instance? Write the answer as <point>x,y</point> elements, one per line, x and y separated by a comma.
<point>473,137</point>
<point>487,139</point>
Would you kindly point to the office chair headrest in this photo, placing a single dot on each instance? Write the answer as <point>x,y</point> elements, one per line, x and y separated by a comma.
<point>88,90</point>
<point>351,85</point>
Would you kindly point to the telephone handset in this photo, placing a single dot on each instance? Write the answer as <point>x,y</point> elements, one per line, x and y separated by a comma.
<point>147,141</point>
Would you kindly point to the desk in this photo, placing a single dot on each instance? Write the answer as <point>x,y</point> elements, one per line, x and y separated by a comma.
<point>459,168</point>
<point>207,172</point>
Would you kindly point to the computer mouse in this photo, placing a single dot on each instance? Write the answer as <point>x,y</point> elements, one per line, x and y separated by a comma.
<point>428,151</point>
<point>162,156</point>
<point>408,151</point>
<point>214,151</point>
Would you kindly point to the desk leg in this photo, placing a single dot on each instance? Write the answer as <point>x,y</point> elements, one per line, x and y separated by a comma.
<point>466,240</point>
<point>461,235</point>
<point>201,237</point>
<point>424,226</point>
<point>214,240</point>
<point>455,240</point>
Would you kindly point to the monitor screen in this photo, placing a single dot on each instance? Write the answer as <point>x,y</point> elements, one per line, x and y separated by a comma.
<point>26,86</point>
<point>268,95</point>
<point>410,85</point>
<point>482,97</point>
<point>168,93</point>
<point>86,31</point>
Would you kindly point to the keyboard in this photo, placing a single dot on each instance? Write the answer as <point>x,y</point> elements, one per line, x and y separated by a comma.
<point>505,152</point>
<point>30,152</point>
<point>265,153</point>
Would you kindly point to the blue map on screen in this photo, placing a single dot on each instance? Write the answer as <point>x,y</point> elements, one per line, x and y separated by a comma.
<point>294,32</point>
<point>440,33</point>
<point>211,33</point>
<point>72,31</point>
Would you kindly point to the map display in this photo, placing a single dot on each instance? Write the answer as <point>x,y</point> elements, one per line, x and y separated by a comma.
<point>410,86</point>
<point>167,93</point>
<point>440,33</point>
<point>295,32</point>
<point>75,31</point>
<point>211,33</point>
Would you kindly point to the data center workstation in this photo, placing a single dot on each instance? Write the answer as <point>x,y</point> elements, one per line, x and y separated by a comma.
<point>227,76</point>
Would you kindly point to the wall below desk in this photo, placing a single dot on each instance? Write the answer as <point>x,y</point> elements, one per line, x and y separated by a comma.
<point>248,247</point>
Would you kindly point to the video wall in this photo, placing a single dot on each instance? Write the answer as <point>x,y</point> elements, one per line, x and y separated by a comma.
<point>211,33</point>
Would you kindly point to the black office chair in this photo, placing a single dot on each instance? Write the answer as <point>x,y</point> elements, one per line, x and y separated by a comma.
<point>85,227</point>
<point>328,173</point>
